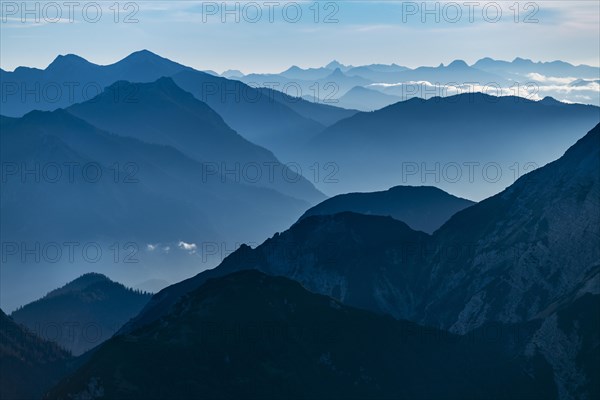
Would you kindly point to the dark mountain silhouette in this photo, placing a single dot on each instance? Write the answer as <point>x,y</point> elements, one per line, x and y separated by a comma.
<point>430,142</point>
<point>423,208</point>
<point>83,313</point>
<point>510,259</point>
<point>249,335</point>
<point>28,364</point>
<point>162,113</point>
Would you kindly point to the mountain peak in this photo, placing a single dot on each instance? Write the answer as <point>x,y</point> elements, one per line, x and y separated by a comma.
<point>143,54</point>
<point>550,101</point>
<point>80,284</point>
<point>87,279</point>
<point>293,68</point>
<point>520,60</point>
<point>146,56</point>
<point>458,64</point>
<point>67,60</point>
<point>334,65</point>
<point>232,73</point>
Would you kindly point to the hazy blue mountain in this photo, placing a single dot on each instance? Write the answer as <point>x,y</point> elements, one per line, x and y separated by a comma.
<point>83,313</point>
<point>472,145</point>
<point>457,72</point>
<point>369,72</point>
<point>295,72</point>
<point>232,73</point>
<point>135,193</point>
<point>336,64</point>
<point>520,77</point>
<point>211,72</point>
<point>324,114</point>
<point>248,335</point>
<point>56,138</point>
<point>326,89</point>
<point>162,113</point>
<point>423,208</point>
<point>364,73</point>
<point>255,114</point>
<point>375,72</point>
<point>584,82</point>
<point>29,365</point>
<point>366,99</point>
<point>520,66</point>
<point>71,79</point>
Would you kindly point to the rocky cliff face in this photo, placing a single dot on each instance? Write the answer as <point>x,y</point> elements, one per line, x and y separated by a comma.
<point>525,247</point>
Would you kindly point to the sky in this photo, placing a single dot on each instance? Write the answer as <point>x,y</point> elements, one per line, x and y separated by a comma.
<point>270,36</point>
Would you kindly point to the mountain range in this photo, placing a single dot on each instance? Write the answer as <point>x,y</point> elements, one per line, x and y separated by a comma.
<point>260,118</point>
<point>335,82</point>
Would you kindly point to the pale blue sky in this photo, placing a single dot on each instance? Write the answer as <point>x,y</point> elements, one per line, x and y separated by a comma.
<point>193,33</point>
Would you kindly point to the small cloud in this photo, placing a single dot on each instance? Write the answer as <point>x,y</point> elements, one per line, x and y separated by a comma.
<point>150,247</point>
<point>190,247</point>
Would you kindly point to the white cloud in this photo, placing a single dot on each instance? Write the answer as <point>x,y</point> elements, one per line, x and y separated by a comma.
<point>550,79</point>
<point>190,247</point>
